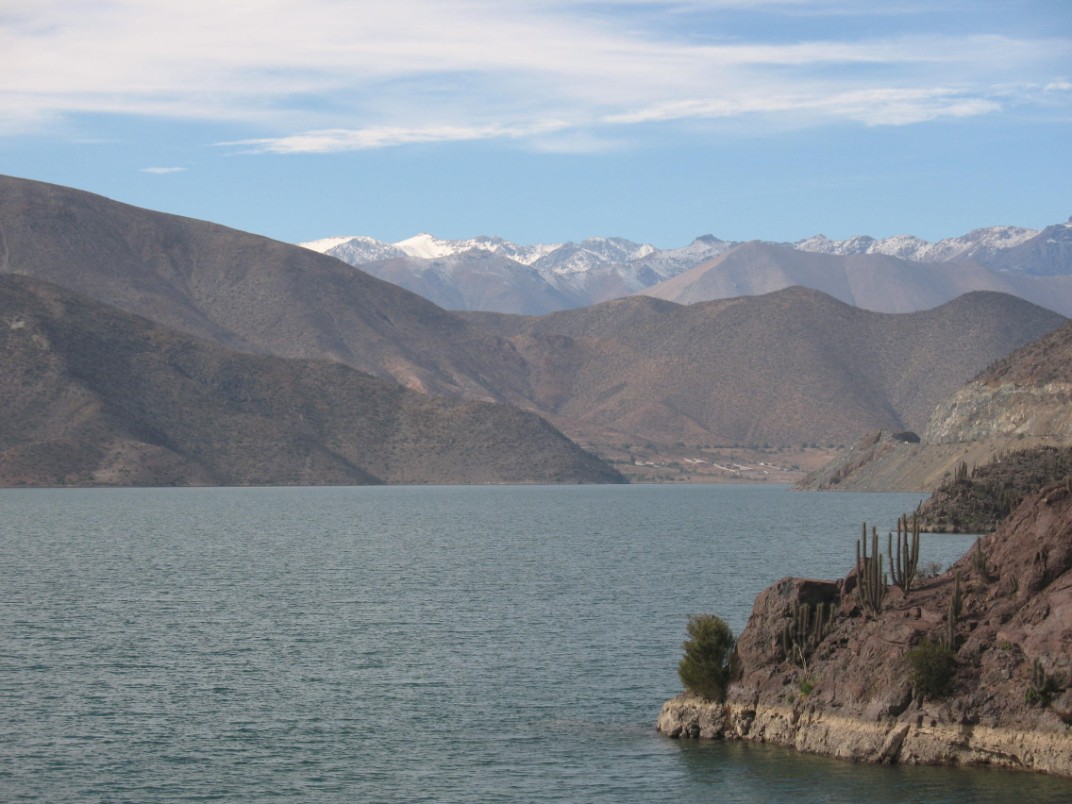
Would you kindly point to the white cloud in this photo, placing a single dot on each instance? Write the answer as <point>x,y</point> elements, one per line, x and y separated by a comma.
<point>162,171</point>
<point>326,76</point>
<point>341,139</point>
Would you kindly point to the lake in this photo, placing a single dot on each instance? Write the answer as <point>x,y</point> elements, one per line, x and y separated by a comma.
<point>410,644</point>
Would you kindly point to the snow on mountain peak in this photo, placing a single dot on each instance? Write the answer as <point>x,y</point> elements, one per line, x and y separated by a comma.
<point>325,244</point>
<point>427,247</point>
<point>909,247</point>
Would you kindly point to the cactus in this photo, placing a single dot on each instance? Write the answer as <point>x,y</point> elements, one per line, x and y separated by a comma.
<point>870,579</point>
<point>804,631</point>
<point>1043,687</point>
<point>1038,675</point>
<point>955,605</point>
<point>979,562</point>
<point>904,562</point>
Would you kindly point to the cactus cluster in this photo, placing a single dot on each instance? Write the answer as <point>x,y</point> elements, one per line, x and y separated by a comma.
<point>870,579</point>
<point>807,627</point>
<point>955,606</point>
<point>905,560</point>
<point>1044,687</point>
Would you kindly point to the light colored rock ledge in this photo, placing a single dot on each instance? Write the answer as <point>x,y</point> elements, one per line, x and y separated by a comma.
<point>914,742</point>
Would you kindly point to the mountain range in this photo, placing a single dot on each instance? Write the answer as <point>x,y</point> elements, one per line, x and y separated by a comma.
<point>638,381</point>
<point>895,274</point>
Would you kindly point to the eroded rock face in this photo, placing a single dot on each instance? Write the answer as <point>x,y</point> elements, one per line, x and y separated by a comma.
<point>852,697</point>
<point>980,410</point>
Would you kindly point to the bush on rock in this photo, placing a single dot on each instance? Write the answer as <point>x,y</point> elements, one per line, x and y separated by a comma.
<point>704,670</point>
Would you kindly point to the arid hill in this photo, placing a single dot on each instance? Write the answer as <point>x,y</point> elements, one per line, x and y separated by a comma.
<point>1019,402</point>
<point>976,500</point>
<point>791,366</point>
<point>244,291</point>
<point>95,396</point>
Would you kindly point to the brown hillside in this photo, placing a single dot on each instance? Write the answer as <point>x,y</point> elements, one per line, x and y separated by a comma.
<point>92,395</point>
<point>788,368</point>
<point>1020,402</point>
<point>243,291</point>
<point>791,366</point>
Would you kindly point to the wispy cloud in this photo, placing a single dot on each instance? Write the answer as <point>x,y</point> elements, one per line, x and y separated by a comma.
<point>341,139</point>
<point>327,76</point>
<point>162,171</point>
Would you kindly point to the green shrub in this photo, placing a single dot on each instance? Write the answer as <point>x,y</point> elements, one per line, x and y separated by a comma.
<point>704,670</point>
<point>932,668</point>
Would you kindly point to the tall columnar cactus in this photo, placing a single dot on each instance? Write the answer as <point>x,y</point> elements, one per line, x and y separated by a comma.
<point>870,579</point>
<point>955,605</point>
<point>904,562</point>
<point>805,630</point>
<point>979,562</point>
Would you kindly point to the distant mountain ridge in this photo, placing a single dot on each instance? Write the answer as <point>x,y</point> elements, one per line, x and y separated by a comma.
<point>566,275</point>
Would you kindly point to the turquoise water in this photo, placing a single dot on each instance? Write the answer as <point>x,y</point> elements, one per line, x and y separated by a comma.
<point>407,643</point>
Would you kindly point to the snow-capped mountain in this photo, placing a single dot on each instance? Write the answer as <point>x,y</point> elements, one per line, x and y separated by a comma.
<point>356,250</point>
<point>665,263</point>
<point>544,277</point>
<point>427,247</point>
<point>575,274</point>
<point>979,243</point>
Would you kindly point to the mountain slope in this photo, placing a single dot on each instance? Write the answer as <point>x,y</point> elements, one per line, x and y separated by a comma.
<point>93,395</point>
<point>1022,401</point>
<point>244,291</point>
<point>787,367</point>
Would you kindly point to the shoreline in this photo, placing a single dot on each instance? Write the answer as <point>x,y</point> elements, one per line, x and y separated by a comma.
<point>921,739</point>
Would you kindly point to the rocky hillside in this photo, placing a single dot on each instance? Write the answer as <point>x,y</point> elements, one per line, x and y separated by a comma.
<point>245,292</point>
<point>95,396</point>
<point>976,500</point>
<point>1007,696</point>
<point>1027,394</point>
<point>1020,402</point>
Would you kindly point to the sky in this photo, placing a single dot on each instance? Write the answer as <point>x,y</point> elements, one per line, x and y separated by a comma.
<point>544,121</point>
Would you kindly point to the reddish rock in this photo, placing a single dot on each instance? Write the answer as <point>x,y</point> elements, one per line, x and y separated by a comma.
<point>852,695</point>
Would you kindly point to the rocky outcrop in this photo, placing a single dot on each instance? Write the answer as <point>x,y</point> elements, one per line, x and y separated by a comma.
<point>926,742</point>
<point>852,695</point>
<point>979,411</point>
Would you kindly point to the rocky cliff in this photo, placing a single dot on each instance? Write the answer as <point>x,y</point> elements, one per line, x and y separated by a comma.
<point>851,695</point>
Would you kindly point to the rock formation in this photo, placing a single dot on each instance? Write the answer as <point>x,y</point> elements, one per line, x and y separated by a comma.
<point>851,695</point>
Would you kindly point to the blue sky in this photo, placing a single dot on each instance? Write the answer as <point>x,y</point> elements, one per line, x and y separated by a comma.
<point>547,120</point>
